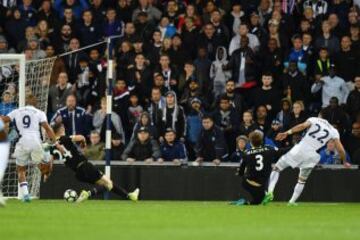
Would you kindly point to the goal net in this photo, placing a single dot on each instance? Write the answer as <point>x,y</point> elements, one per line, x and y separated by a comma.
<point>18,78</point>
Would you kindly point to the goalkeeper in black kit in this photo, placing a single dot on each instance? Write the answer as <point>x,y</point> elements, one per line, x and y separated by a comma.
<point>67,151</point>
<point>256,167</point>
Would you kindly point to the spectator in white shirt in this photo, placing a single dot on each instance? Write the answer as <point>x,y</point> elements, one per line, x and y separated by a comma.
<point>332,86</point>
<point>244,31</point>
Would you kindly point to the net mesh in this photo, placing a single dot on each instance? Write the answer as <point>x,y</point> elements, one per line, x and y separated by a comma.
<point>37,80</point>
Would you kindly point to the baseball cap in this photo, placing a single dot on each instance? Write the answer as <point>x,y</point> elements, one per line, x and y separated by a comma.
<point>170,130</point>
<point>143,129</point>
<point>195,100</point>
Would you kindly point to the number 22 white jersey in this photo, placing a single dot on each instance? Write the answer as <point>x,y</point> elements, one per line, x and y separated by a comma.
<point>28,122</point>
<point>318,134</point>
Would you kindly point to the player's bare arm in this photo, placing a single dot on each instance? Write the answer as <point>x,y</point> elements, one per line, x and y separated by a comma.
<point>298,128</point>
<point>49,131</point>
<point>5,119</point>
<point>342,154</point>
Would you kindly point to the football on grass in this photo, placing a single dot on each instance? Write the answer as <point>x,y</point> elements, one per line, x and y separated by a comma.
<point>70,195</point>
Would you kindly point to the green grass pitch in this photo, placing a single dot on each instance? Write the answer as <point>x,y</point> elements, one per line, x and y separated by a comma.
<point>166,220</point>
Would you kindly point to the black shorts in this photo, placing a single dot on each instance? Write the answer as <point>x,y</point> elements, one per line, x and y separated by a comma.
<point>257,193</point>
<point>88,173</point>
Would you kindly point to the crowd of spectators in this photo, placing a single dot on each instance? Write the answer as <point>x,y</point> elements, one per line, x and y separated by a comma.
<point>194,77</point>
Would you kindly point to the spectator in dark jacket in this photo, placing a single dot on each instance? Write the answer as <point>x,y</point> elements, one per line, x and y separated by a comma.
<point>117,146</point>
<point>189,36</point>
<point>297,116</point>
<point>353,101</point>
<point>272,59</point>
<point>328,40</point>
<point>89,31</point>
<point>210,41</point>
<point>211,146</point>
<point>78,6</point>
<point>267,95</point>
<point>262,119</point>
<point>336,116</point>
<point>172,150</point>
<point>284,115</point>
<point>243,64</point>
<point>353,143</point>
<point>142,148</point>
<point>221,30</point>
<point>294,84</point>
<point>47,13</point>
<point>113,26</point>
<point>234,18</point>
<point>140,76</point>
<point>241,142</point>
<point>61,40</point>
<point>15,28</point>
<point>247,125</point>
<point>347,61</point>
<point>236,100</point>
<point>28,11</point>
<point>202,65</point>
<point>121,96</point>
<point>75,119</point>
<point>192,90</point>
<point>228,120</point>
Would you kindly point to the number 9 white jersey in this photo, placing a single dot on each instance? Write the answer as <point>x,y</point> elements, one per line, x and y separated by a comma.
<point>318,134</point>
<point>28,122</point>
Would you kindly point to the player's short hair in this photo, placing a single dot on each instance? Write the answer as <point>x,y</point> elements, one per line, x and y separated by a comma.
<point>256,138</point>
<point>56,127</point>
<point>31,100</point>
<point>267,74</point>
<point>224,98</point>
<point>230,80</point>
<point>96,132</point>
<point>208,116</point>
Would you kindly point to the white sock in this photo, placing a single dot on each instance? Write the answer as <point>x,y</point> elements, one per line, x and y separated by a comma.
<point>274,177</point>
<point>297,192</point>
<point>4,157</point>
<point>24,188</point>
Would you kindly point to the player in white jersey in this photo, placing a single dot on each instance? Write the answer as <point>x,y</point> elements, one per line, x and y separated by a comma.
<point>28,121</point>
<point>4,156</point>
<point>304,154</point>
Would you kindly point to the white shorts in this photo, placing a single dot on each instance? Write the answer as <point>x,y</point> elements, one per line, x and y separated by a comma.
<point>25,155</point>
<point>299,157</point>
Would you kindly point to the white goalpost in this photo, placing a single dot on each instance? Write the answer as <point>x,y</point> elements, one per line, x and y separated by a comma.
<point>19,77</point>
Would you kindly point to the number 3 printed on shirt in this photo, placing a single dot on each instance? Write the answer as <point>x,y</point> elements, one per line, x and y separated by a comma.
<point>259,162</point>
